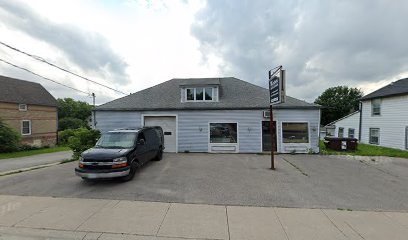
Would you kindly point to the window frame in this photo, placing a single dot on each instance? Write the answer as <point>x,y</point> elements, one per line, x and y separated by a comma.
<point>223,122</point>
<point>406,137</point>
<point>29,127</point>
<point>195,94</point>
<point>370,136</point>
<point>373,106</point>
<point>22,109</point>
<point>354,132</point>
<point>342,132</point>
<point>308,133</point>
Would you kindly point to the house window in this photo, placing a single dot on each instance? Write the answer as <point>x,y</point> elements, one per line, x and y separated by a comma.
<point>295,132</point>
<point>26,127</point>
<point>341,132</point>
<point>199,94</point>
<point>406,137</point>
<point>22,107</point>
<point>351,132</point>
<point>376,107</point>
<point>223,133</point>
<point>374,136</point>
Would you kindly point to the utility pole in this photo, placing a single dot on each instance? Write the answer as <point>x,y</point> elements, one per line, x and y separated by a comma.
<point>93,111</point>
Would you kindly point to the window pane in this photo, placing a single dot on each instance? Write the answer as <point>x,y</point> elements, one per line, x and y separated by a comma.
<point>208,94</point>
<point>190,94</point>
<point>374,135</point>
<point>199,94</point>
<point>223,133</point>
<point>351,133</point>
<point>341,132</point>
<point>295,133</point>
<point>26,127</point>
<point>376,106</point>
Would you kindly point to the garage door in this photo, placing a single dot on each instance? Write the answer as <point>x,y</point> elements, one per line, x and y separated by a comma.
<point>169,128</point>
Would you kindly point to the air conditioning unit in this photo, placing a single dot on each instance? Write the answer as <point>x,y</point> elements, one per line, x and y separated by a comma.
<point>266,114</point>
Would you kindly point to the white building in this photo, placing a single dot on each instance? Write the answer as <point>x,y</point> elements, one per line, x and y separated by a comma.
<point>215,115</point>
<point>382,119</point>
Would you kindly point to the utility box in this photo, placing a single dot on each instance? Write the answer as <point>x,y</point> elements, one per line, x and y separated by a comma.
<point>341,143</point>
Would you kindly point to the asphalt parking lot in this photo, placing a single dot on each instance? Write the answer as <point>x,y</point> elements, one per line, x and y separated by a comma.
<point>306,181</point>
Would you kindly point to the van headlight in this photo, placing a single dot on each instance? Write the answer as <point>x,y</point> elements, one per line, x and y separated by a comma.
<point>120,160</point>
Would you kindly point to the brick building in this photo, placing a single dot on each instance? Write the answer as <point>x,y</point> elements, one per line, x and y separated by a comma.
<point>30,109</point>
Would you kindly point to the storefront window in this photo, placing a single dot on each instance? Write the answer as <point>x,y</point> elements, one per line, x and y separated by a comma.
<point>295,132</point>
<point>223,133</point>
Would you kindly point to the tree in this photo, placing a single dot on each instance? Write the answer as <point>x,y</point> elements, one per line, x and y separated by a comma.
<point>68,107</point>
<point>9,138</point>
<point>81,140</point>
<point>72,114</point>
<point>70,123</point>
<point>338,102</point>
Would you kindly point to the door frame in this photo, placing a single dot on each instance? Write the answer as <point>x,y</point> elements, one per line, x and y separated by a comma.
<point>162,115</point>
<point>276,135</point>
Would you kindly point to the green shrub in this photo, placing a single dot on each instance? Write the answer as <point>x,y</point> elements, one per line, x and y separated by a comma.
<point>9,138</point>
<point>82,139</point>
<point>63,136</point>
<point>26,147</point>
<point>71,123</point>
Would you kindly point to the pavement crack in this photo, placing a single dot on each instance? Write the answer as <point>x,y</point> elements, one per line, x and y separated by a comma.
<point>296,167</point>
<point>354,229</point>
<point>226,214</point>
<point>164,217</point>
<point>379,169</point>
<point>280,222</point>
<point>333,223</point>
<point>93,214</point>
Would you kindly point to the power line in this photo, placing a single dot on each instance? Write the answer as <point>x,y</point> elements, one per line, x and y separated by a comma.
<point>60,68</point>
<point>27,70</point>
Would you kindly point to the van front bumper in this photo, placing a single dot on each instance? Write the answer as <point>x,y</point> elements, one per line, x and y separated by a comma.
<point>109,173</point>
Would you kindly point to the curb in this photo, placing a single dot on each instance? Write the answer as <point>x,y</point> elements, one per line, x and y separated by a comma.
<point>32,168</point>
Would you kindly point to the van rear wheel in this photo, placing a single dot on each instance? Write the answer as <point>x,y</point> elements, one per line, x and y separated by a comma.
<point>159,155</point>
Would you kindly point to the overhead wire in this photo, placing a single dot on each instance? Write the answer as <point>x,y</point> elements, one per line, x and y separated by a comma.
<point>60,68</point>
<point>49,79</point>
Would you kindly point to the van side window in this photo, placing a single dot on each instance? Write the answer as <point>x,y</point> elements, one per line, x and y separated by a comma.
<point>141,136</point>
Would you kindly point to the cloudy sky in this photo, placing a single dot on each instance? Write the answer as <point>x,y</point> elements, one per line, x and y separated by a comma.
<point>134,44</point>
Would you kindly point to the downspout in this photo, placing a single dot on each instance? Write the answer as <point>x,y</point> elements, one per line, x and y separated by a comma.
<point>360,123</point>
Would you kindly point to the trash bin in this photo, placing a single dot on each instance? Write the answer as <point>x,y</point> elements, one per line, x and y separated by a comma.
<point>341,143</point>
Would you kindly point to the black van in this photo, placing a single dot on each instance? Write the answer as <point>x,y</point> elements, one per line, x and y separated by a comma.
<point>118,153</point>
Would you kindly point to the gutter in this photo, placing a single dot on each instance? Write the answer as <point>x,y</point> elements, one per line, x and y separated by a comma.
<point>360,122</point>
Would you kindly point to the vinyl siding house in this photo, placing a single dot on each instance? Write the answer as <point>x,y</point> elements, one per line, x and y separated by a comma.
<point>215,115</point>
<point>30,109</point>
<point>347,126</point>
<point>383,117</point>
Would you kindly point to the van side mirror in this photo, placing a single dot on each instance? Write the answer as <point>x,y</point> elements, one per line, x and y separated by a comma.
<point>141,142</point>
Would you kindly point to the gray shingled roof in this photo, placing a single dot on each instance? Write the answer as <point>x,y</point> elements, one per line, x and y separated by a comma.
<point>19,91</point>
<point>234,94</point>
<point>399,87</point>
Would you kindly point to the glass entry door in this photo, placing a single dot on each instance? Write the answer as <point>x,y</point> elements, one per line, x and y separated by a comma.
<point>266,136</point>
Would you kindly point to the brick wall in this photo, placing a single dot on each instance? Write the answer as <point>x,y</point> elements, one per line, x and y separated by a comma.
<point>43,122</point>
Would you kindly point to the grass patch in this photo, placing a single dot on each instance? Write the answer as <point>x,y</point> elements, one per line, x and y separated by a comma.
<point>366,150</point>
<point>32,152</point>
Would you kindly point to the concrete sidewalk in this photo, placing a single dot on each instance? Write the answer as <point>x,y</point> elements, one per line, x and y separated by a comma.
<point>68,218</point>
<point>10,164</point>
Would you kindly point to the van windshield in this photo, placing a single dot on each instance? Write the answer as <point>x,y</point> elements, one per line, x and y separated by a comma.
<point>116,140</point>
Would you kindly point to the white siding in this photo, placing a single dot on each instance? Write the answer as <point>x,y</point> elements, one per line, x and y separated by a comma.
<point>312,117</point>
<point>392,121</point>
<point>193,126</point>
<point>346,123</point>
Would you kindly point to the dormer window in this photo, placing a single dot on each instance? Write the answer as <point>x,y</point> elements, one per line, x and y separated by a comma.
<point>199,94</point>
<point>22,107</point>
